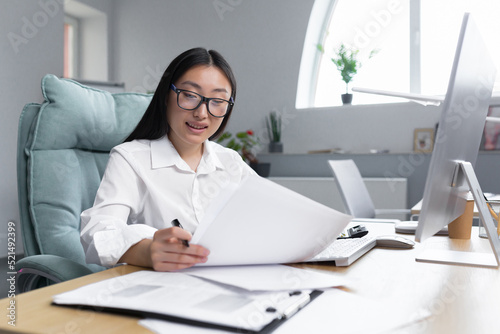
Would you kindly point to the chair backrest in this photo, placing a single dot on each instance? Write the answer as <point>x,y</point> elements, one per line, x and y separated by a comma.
<point>355,196</point>
<point>63,149</point>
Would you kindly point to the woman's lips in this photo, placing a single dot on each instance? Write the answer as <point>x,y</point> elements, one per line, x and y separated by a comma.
<point>197,127</point>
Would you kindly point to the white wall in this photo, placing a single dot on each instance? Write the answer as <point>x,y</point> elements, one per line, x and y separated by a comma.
<point>31,46</point>
<point>263,42</point>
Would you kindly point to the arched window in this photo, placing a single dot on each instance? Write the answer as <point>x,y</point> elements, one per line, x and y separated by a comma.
<point>415,43</point>
<point>441,21</point>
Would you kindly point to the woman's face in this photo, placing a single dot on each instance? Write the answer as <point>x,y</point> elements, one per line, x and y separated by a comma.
<point>190,128</point>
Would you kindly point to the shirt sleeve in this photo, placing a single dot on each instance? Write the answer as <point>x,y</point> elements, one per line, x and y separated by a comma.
<point>105,230</point>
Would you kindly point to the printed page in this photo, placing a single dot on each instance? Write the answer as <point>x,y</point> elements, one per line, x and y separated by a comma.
<point>335,311</point>
<point>268,277</point>
<point>266,223</point>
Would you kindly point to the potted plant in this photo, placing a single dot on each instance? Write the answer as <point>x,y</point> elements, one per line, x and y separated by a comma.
<point>273,123</point>
<point>348,65</point>
<point>245,143</point>
<point>347,62</point>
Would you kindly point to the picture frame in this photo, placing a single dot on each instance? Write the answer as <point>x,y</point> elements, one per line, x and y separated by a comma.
<point>423,140</point>
<point>491,135</point>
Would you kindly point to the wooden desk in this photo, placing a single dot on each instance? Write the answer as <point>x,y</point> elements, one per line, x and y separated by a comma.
<point>461,299</point>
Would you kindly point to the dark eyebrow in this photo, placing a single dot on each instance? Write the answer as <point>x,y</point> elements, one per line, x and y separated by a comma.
<point>195,85</point>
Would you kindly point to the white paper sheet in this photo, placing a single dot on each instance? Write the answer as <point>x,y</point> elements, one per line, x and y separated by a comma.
<point>266,223</point>
<point>335,311</point>
<point>167,327</point>
<point>267,277</point>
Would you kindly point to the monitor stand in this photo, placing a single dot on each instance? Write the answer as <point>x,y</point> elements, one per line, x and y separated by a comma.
<point>465,169</point>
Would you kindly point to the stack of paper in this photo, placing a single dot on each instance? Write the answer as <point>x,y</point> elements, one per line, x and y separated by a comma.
<point>220,302</point>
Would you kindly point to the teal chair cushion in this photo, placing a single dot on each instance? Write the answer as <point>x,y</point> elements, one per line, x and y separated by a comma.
<point>67,151</point>
<point>76,116</point>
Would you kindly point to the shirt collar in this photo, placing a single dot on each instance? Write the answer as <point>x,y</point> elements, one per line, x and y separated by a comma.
<point>164,154</point>
<point>210,161</point>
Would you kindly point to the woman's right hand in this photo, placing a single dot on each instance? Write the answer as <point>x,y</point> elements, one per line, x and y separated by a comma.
<point>168,253</point>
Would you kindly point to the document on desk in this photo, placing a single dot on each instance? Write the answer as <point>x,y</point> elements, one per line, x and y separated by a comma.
<point>334,311</point>
<point>261,222</point>
<point>183,298</point>
<point>268,277</point>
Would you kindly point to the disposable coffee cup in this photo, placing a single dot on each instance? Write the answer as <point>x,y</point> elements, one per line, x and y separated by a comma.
<point>461,227</point>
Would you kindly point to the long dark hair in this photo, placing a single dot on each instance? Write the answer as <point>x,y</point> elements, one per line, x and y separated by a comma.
<point>153,124</point>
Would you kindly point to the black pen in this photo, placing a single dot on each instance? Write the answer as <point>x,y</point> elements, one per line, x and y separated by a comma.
<point>176,223</point>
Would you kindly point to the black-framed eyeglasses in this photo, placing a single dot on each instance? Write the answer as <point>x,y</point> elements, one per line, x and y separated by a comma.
<point>189,100</point>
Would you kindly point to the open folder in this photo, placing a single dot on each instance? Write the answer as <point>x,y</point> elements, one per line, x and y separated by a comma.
<point>183,298</point>
<point>261,222</point>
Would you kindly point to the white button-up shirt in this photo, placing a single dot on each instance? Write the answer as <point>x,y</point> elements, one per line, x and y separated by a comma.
<point>146,185</point>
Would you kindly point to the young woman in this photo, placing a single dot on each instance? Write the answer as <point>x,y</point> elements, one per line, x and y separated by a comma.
<point>167,170</point>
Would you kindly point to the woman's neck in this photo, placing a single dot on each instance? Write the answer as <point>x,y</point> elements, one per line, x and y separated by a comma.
<point>191,154</point>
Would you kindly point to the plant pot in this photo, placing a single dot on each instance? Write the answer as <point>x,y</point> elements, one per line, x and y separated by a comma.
<point>261,168</point>
<point>275,147</point>
<point>346,98</point>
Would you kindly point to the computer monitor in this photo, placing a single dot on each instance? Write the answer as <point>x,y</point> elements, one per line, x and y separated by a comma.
<point>451,174</point>
<point>458,137</point>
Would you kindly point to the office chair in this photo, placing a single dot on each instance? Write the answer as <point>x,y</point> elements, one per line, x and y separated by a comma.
<point>355,197</point>
<point>63,148</point>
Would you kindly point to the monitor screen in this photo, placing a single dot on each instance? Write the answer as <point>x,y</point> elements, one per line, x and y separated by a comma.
<point>459,132</point>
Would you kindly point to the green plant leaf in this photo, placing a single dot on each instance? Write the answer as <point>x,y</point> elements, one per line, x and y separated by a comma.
<point>223,137</point>
<point>242,135</point>
<point>347,63</point>
<point>273,124</point>
<point>241,142</point>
